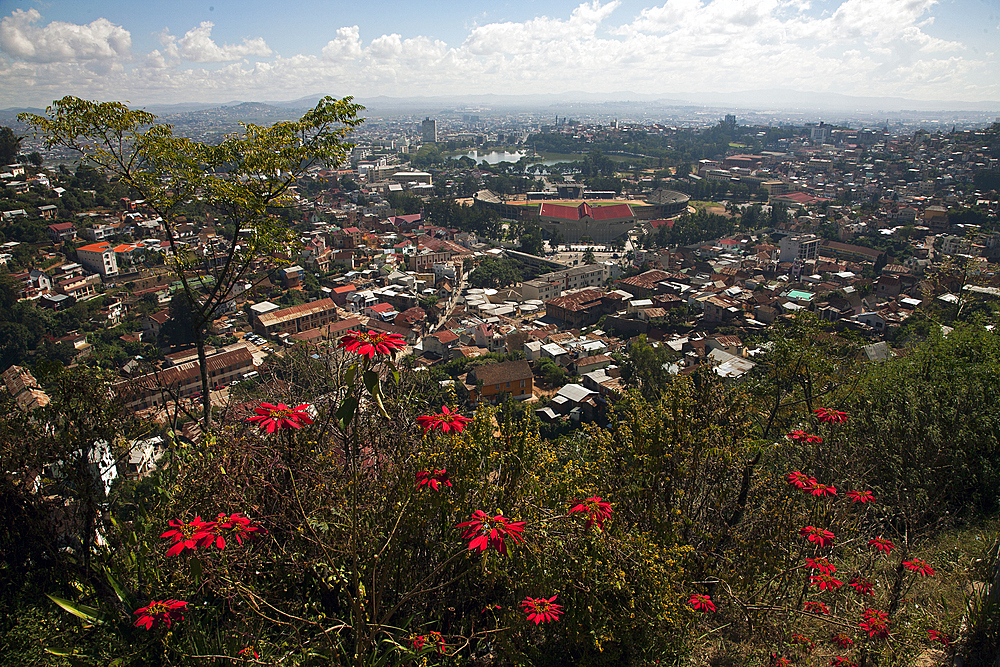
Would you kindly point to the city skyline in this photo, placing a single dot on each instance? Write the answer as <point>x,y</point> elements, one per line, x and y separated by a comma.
<point>219,52</point>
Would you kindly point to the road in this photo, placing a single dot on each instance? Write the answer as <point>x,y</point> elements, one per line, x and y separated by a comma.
<point>451,306</point>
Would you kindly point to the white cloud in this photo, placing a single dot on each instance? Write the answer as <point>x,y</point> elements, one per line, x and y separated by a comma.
<point>860,48</point>
<point>59,41</point>
<point>197,46</point>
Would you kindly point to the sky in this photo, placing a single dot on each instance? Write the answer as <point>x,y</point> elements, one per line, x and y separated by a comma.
<point>251,50</point>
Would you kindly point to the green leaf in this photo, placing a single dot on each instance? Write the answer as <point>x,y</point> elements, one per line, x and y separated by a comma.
<point>350,374</point>
<point>346,411</point>
<point>115,585</point>
<point>79,610</point>
<point>196,569</point>
<point>372,383</point>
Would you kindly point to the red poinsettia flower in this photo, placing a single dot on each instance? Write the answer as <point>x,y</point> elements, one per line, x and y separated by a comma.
<point>799,480</point>
<point>817,608</point>
<point>701,602</point>
<point>597,511</point>
<point>816,535</point>
<point>920,566</point>
<point>861,496</point>
<point>235,526</point>
<point>433,479</point>
<point>802,436</point>
<point>828,416</point>
<point>939,636</point>
<point>446,421</point>
<point>248,652</point>
<point>821,490</point>
<point>881,544</point>
<point>842,640</point>
<point>802,640</point>
<point>837,661</point>
<point>875,624</point>
<point>159,612</point>
<point>862,586</point>
<point>825,582</point>
<point>491,531</point>
<point>542,610</point>
<point>272,417</point>
<point>187,535</point>
<point>431,639</point>
<point>823,565</point>
<point>370,343</point>
<point>778,660</point>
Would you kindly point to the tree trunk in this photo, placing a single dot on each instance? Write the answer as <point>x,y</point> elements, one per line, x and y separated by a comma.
<point>206,399</point>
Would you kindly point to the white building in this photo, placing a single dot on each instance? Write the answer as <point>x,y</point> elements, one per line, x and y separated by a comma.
<point>99,258</point>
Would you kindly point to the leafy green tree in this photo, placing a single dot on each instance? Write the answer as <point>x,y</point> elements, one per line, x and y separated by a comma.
<point>10,145</point>
<point>588,256</point>
<point>240,179</point>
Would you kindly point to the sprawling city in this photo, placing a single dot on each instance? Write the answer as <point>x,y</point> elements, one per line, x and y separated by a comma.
<point>508,380</point>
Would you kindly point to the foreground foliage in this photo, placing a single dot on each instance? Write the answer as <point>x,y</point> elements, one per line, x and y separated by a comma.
<point>802,516</point>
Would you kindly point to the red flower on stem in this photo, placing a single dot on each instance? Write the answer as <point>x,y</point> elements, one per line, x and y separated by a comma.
<point>828,416</point>
<point>881,544</point>
<point>779,661</point>
<point>187,535</point>
<point>433,479</point>
<point>862,586</point>
<point>939,636</point>
<point>802,436</point>
<point>816,535</point>
<point>837,661</point>
<point>542,610</point>
<point>817,608</point>
<point>800,480</point>
<point>370,343</point>
<point>446,421</point>
<point>823,565</point>
<point>597,511</point>
<point>159,612</point>
<point>875,624</point>
<point>825,582</point>
<point>803,640</point>
<point>701,602</point>
<point>842,640</point>
<point>248,652</point>
<point>236,526</point>
<point>432,638</point>
<point>822,489</point>
<point>861,496</point>
<point>920,566</point>
<point>272,417</point>
<point>491,531</point>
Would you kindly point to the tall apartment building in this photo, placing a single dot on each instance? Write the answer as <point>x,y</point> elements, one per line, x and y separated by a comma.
<point>799,246</point>
<point>428,130</point>
<point>99,258</point>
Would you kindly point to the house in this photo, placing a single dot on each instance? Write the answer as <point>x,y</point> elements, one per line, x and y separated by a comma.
<point>441,343</point>
<point>99,258</point>
<point>306,316</point>
<point>62,231</point>
<point>507,377</point>
<point>48,212</point>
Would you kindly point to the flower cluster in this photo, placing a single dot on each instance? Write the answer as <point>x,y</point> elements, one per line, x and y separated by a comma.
<point>862,586</point>
<point>431,639</point>
<point>445,421</point>
<point>701,602</point>
<point>595,509</point>
<point>861,496</point>
<point>370,343</point>
<point>817,536</point>
<point>828,416</point>
<point>875,624</point>
<point>197,533</point>
<point>802,436</point>
<point>159,612</point>
<point>542,610</point>
<point>920,566</point>
<point>484,531</point>
<point>881,544</point>
<point>822,565</point>
<point>939,636</point>
<point>433,479</point>
<point>817,608</point>
<point>826,582</point>
<point>271,417</point>
<point>842,640</point>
